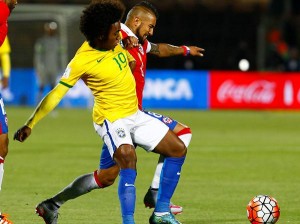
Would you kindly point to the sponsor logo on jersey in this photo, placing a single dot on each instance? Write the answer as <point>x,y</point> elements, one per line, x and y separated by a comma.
<point>141,50</point>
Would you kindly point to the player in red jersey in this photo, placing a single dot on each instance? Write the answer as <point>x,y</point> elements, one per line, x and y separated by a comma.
<point>140,22</point>
<point>6,7</point>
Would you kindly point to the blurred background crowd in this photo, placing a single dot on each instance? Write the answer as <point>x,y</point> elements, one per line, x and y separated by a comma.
<point>237,34</point>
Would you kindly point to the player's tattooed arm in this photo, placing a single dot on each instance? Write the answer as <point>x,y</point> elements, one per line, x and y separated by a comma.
<point>154,49</point>
<point>168,50</point>
<point>164,50</point>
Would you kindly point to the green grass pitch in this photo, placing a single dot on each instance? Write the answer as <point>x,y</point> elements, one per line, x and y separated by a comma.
<point>233,156</point>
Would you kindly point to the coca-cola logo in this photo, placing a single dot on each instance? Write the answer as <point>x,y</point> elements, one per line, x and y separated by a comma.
<point>260,91</point>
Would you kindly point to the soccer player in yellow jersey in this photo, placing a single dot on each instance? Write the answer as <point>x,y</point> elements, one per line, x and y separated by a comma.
<point>103,65</point>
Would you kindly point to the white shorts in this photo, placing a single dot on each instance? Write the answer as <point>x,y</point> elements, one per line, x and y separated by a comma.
<point>139,128</point>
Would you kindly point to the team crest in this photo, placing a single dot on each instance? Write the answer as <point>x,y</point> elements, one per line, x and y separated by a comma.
<point>121,133</point>
<point>167,120</point>
<point>141,50</point>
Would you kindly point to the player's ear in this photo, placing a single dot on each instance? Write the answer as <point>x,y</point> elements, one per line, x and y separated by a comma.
<point>137,21</point>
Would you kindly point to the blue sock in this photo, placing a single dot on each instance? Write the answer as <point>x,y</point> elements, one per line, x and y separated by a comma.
<point>168,181</point>
<point>126,193</point>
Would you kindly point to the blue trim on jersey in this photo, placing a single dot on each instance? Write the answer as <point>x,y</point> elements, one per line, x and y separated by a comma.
<point>109,135</point>
<point>106,161</point>
<point>164,119</point>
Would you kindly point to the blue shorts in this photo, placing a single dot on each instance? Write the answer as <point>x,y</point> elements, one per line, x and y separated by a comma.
<point>105,159</point>
<point>3,118</point>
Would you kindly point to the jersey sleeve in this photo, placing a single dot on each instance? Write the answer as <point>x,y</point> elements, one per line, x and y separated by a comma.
<point>74,71</point>
<point>50,101</point>
<point>5,58</point>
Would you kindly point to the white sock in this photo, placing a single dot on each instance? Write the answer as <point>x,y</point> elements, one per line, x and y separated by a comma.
<point>1,170</point>
<point>156,178</point>
<point>78,187</point>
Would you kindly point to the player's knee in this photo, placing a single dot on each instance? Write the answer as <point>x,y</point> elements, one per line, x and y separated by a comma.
<point>182,150</point>
<point>125,157</point>
<point>178,150</point>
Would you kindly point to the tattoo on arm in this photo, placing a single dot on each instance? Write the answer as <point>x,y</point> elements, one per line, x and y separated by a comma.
<point>154,49</point>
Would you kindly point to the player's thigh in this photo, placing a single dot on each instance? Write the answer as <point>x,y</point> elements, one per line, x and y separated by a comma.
<point>114,134</point>
<point>171,146</point>
<point>148,131</point>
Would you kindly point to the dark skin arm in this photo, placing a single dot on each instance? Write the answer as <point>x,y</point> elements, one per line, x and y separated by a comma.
<point>168,50</point>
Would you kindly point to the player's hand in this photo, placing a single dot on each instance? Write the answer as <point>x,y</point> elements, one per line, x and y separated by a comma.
<point>196,51</point>
<point>130,42</point>
<point>22,134</point>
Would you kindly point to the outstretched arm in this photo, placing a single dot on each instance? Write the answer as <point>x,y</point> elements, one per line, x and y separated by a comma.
<point>50,101</point>
<point>168,50</point>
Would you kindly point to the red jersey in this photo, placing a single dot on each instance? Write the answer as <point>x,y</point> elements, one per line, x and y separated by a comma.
<point>140,56</point>
<point>4,13</point>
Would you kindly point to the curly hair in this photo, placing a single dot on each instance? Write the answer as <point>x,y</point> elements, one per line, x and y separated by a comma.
<point>149,6</point>
<point>98,17</point>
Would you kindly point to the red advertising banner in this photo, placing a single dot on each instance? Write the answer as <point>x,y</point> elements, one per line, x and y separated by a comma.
<point>254,90</point>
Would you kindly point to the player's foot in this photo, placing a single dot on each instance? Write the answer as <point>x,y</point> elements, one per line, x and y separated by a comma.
<point>4,219</point>
<point>48,210</point>
<point>150,198</point>
<point>165,219</point>
<point>150,201</point>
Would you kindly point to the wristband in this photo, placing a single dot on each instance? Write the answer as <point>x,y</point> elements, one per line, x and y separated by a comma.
<point>186,50</point>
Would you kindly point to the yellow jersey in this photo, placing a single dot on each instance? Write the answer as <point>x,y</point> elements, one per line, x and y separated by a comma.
<point>5,58</point>
<point>108,76</point>
<point>5,47</point>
